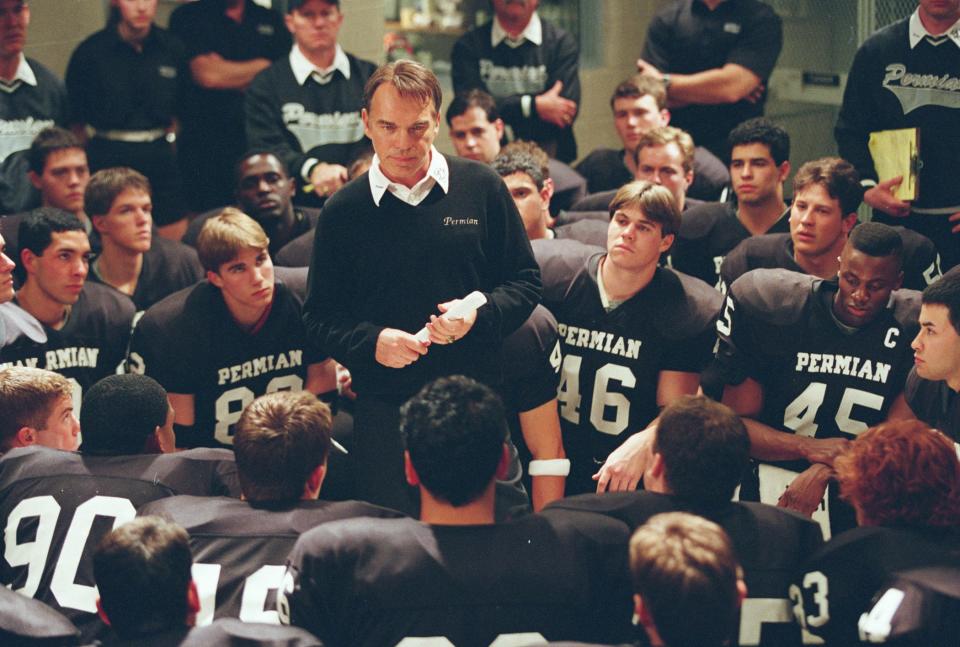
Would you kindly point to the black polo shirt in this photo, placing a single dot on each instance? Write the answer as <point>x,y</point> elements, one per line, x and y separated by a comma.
<point>204,28</point>
<point>112,86</point>
<point>687,37</point>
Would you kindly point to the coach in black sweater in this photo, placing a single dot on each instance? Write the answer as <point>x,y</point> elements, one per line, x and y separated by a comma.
<point>395,248</point>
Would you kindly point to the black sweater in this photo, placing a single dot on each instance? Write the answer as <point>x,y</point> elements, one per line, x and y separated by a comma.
<point>389,266</point>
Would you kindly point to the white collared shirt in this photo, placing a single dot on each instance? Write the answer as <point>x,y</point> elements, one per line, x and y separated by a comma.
<point>303,69</point>
<point>437,173</point>
<point>918,32</point>
<point>24,74</point>
<point>532,32</point>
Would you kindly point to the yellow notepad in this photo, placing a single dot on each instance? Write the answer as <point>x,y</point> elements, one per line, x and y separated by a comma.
<point>897,152</point>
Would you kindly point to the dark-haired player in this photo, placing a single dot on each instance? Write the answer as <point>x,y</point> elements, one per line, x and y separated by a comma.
<point>133,260</point>
<point>87,325</point>
<point>827,193</point>
<point>701,451</point>
<point>634,337</point>
<point>219,344</point>
<point>903,480</point>
<point>239,547</point>
<point>759,165</point>
<point>813,363</point>
<point>934,381</point>
<point>55,505</point>
<point>639,104</point>
<point>147,595</point>
<point>264,191</point>
<point>455,576</point>
<point>476,131</point>
<point>532,190</point>
<point>56,167</point>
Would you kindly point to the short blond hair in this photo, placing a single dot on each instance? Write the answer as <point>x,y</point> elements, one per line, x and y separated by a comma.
<point>656,203</point>
<point>669,135</point>
<point>225,235</point>
<point>27,397</point>
<point>685,569</point>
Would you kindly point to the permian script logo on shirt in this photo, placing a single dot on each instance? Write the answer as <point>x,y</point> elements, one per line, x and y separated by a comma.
<point>449,221</point>
<point>918,90</point>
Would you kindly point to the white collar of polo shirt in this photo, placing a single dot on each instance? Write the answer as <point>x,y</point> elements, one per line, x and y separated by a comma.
<point>532,32</point>
<point>303,68</point>
<point>918,32</point>
<point>437,173</point>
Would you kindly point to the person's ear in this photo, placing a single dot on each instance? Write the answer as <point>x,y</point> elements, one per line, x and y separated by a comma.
<point>546,193</point>
<point>315,481</point>
<point>409,470</point>
<point>25,437</point>
<point>741,592</point>
<point>498,124</point>
<point>35,180</point>
<point>503,467</point>
<point>98,223</point>
<point>784,171</point>
<point>215,279</point>
<point>102,613</point>
<point>666,242</point>
<point>193,604</point>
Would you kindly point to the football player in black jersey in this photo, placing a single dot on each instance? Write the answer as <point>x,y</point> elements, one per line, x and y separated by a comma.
<point>700,454</point>
<point>455,576</point>
<point>265,192</point>
<point>239,547</point>
<point>149,596</point>
<point>86,325</point>
<point>934,381</point>
<point>918,607</point>
<point>811,364</point>
<point>903,480</point>
<point>634,336</point>
<point>531,188</point>
<point>665,156</point>
<point>133,260</point>
<point>759,165</point>
<point>678,547</point>
<point>55,505</point>
<point>827,193</point>
<point>37,409</point>
<point>218,345</point>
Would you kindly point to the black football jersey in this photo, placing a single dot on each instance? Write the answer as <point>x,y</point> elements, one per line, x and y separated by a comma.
<point>90,345</point>
<point>190,344</point>
<point>168,266</point>
<point>839,581</point>
<point>230,632</point>
<point>819,378</point>
<point>917,608</point>
<point>25,622</point>
<point>934,402</point>
<point>772,544</point>
<point>297,252</point>
<point>707,234</point>
<point>56,506</point>
<point>240,548</point>
<point>612,360</point>
<point>921,262</point>
<point>366,583</point>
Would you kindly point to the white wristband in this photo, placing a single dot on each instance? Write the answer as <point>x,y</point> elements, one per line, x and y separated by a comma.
<point>308,167</point>
<point>525,105</point>
<point>550,467</point>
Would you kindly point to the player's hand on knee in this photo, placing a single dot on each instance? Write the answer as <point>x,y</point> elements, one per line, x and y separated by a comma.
<point>824,450</point>
<point>881,197</point>
<point>806,491</point>
<point>625,465</point>
<point>397,348</point>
